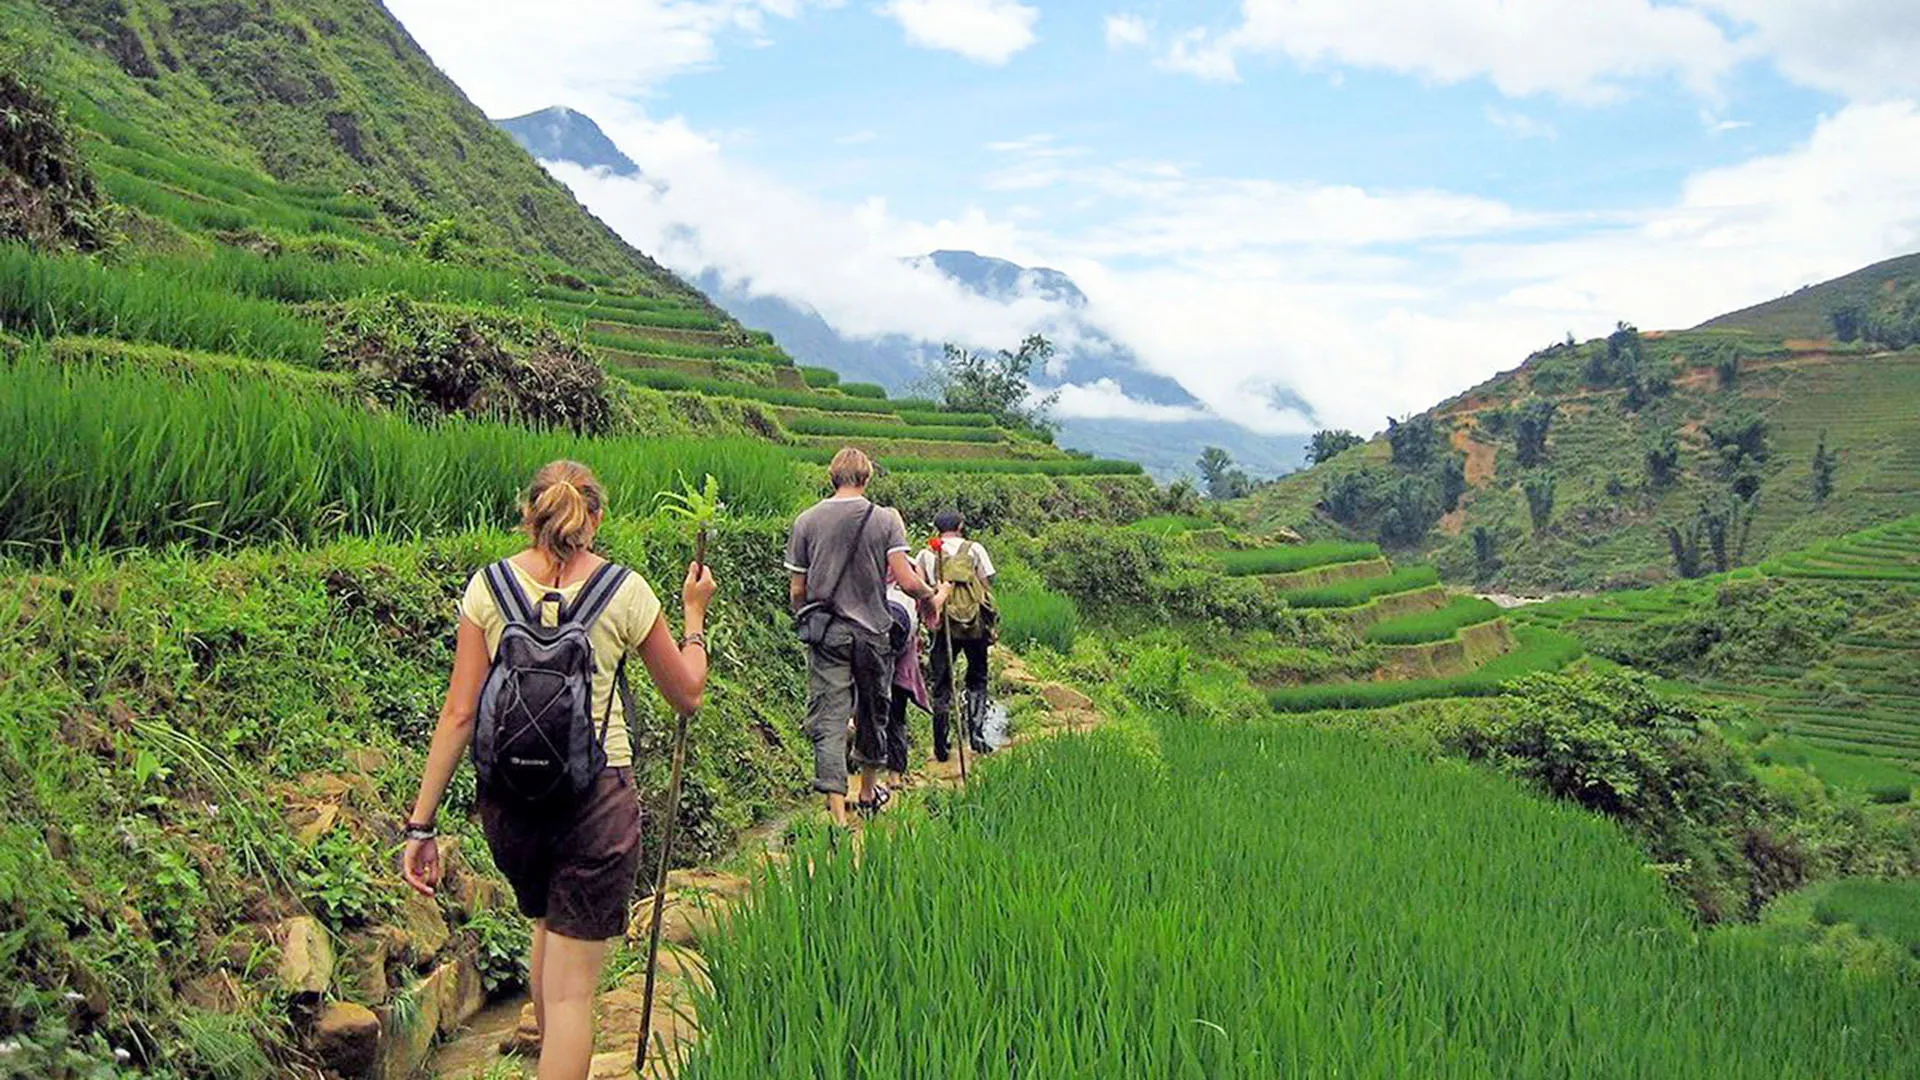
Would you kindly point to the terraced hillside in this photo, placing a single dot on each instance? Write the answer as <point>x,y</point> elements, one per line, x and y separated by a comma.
<point>1818,644</point>
<point>1650,444</point>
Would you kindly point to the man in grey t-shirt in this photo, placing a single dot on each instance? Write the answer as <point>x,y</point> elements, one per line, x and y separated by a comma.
<point>839,553</point>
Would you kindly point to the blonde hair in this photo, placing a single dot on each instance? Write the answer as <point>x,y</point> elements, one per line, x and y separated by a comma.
<point>850,468</point>
<point>559,509</point>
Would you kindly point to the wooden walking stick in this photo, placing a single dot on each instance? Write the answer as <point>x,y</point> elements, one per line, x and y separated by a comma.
<point>702,508</point>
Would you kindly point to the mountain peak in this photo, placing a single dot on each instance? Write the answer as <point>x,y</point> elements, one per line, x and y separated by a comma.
<point>1003,280</point>
<point>557,133</point>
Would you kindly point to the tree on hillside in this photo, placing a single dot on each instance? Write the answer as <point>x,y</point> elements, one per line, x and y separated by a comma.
<point>1413,506</point>
<point>1741,442</point>
<point>1663,460</point>
<point>1329,444</point>
<point>1539,489</point>
<point>1486,553</point>
<point>1825,461</point>
<point>1224,480</point>
<point>998,383</point>
<point>1351,498</point>
<point>1413,439</point>
<point>1620,359</point>
<point>1453,482</point>
<point>1726,365</point>
<point>1849,318</point>
<point>1530,431</point>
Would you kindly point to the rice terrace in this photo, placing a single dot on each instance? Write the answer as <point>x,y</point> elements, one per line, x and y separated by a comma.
<point>1568,725</point>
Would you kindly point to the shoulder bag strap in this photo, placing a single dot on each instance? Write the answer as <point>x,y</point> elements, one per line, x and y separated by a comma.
<point>859,531</point>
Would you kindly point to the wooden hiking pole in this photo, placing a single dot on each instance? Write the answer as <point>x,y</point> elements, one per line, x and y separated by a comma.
<point>666,847</point>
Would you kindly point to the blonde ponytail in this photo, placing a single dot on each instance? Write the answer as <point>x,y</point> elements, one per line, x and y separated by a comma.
<point>561,508</point>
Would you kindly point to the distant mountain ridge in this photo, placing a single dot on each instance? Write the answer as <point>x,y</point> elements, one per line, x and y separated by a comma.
<point>557,133</point>
<point>1088,356</point>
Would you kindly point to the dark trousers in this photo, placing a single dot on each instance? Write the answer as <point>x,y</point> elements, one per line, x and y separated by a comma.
<point>896,738</point>
<point>941,673</point>
<point>850,676</point>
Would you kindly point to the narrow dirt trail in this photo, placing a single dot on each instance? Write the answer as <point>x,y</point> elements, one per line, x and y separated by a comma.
<point>498,1044</point>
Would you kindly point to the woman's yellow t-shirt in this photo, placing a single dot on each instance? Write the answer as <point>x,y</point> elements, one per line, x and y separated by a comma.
<point>622,626</point>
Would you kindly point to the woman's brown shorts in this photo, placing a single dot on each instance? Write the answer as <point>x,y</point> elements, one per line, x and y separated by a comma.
<point>575,870</point>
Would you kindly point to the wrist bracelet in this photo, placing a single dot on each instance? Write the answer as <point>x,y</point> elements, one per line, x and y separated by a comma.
<point>421,832</point>
<point>695,639</point>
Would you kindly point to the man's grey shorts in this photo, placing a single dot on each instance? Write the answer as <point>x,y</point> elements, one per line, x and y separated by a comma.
<point>849,676</point>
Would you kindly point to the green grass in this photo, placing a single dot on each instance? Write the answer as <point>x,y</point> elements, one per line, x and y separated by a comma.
<point>111,459</point>
<point>829,425</point>
<point>660,379</point>
<point>641,342</point>
<point>1256,902</point>
<point>1283,560</point>
<point>934,418</point>
<point>818,377</point>
<point>863,390</point>
<point>294,278</point>
<point>1032,614</point>
<point>1889,909</point>
<point>1425,626</point>
<point>1353,593</point>
<point>580,315</point>
<point>1540,650</point>
<point>1063,466</point>
<point>72,294</point>
<point>1170,524</point>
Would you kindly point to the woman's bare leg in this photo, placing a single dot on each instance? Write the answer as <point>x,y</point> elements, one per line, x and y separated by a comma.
<point>534,980</point>
<point>569,976</point>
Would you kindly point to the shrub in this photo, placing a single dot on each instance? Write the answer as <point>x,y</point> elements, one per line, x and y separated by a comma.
<point>819,377</point>
<point>471,363</point>
<point>863,390</point>
<point>47,196</point>
<point>1530,430</point>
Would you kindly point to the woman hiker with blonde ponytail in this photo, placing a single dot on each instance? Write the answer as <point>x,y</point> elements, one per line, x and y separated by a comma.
<point>538,692</point>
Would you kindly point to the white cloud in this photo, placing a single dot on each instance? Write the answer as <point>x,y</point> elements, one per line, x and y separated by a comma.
<point>588,54</point>
<point>1867,50</point>
<point>1103,399</point>
<point>1126,31</point>
<point>1583,51</point>
<point>1520,125</point>
<point>984,31</point>
<point>1580,51</point>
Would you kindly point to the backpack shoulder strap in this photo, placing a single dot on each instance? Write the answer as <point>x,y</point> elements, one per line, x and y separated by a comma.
<point>595,595</point>
<point>507,595</point>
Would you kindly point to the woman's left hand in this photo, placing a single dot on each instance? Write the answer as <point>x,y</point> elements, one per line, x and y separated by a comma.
<point>420,865</point>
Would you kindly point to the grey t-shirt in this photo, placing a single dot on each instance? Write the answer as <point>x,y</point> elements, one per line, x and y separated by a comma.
<point>823,544</point>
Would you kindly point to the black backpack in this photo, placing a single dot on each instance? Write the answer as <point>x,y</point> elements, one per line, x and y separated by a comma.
<point>534,740</point>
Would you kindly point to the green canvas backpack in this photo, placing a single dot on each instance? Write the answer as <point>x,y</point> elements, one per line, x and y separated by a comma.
<point>970,612</point>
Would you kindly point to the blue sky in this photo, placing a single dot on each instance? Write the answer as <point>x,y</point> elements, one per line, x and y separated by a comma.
<point>1372,204</point>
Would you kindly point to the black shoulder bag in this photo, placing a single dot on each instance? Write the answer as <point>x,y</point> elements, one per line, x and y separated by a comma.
<point>816,617</point>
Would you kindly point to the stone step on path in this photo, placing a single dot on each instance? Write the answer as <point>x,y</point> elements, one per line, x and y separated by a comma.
<point>501,1043</point>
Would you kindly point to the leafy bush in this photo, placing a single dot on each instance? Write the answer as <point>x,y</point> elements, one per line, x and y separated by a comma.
<point>1282,560</point>
<point>47,196</point>
<point>1746,625</point>
<point>470,363</point>
<point>863,390</point>
<point>819,378</point>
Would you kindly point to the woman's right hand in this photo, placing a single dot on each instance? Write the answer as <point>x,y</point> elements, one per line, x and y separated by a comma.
<point>698,591</point>
<point>420,865</point>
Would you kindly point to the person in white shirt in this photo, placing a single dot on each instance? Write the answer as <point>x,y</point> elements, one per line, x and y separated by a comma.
<point>955,556</point>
